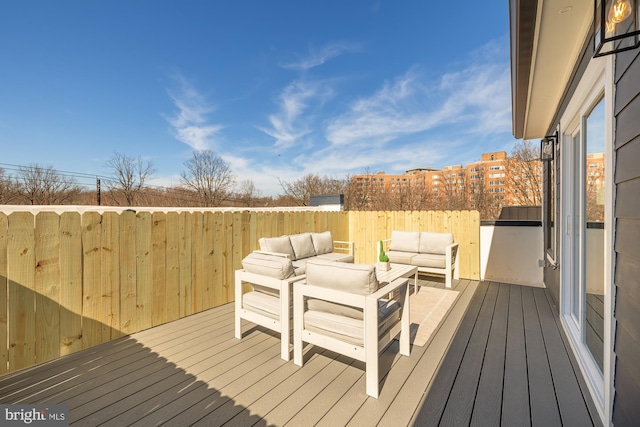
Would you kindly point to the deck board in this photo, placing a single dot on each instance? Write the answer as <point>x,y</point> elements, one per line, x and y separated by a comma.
<point>488,401</point>
<point>194,372</point>
<point>527,375</point>
<point>515,392</point>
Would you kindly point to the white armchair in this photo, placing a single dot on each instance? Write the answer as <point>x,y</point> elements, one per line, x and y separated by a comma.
<point>341,308</point>
<point>268,301</point>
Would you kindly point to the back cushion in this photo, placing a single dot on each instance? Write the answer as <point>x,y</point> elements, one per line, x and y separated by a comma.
<point>268,265</point>
<point>280,245</point>
<point>435,243</point>
<point>354,278</point>
<point>406,241</point>
<point>302,245</point>
<point>322,242</point>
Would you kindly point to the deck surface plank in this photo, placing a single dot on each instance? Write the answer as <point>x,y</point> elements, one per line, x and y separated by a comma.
<point>573,410</point>
<point>515,392</point>
<point>542,396</point>
<point>192,371</point>
<point>488,402</point>
<point>459,409</point>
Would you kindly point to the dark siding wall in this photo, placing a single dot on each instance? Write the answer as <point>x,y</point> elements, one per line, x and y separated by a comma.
<point>626,408</point>
<point>552,276</point>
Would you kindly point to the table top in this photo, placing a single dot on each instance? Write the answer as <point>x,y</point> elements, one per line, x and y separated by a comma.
<point>396,271</point>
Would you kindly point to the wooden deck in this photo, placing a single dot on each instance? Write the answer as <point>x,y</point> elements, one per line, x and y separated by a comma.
<point>506,364</point>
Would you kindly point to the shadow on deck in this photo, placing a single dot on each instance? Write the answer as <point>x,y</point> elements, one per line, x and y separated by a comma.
<point>498,357</point>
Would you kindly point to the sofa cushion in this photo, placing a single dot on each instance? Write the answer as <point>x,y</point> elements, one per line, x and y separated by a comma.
<point>322,242</point>
<point>268,265</point>
<point>358,279</point>
<point>280,245</point>
<point>405,241</point>
<point>429,260</point>
<point>434,243</point>
<point>302,245</point>
<point>400,257</point>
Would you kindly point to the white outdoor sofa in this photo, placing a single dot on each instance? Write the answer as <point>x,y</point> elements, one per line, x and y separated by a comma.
<point>271,273</point>
<point>304,247</point>
<point>433,253</point>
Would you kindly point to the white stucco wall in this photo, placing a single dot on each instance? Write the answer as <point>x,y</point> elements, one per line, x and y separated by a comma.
<point>510,254</point>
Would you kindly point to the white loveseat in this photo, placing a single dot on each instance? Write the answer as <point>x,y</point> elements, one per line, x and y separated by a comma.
<point>433,253</point>
<point>303,247</point>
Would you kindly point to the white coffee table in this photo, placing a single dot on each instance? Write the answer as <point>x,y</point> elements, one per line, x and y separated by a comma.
<point>396,271</point>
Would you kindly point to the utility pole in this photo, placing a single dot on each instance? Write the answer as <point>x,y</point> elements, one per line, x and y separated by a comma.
<point>98,190</point>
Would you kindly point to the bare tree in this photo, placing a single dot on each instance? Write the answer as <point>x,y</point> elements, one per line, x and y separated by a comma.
<point>130,175</point>
<point>454,194</point>
<point>209,176</point>
<point>39,185</point>
<point>8,193</point>
<point>524,174</point>
<point>247,193</point>
<point>309,185</point>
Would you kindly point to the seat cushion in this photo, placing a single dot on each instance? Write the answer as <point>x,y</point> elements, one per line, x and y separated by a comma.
<point>280,245</point>
<point>357,279</point>
<point>334,257</point>
<point>268,265</point>
<point>350,329</point>
<point>401,257</point>
<point>434,243</point>
<point>262,303</point>
<point>322,242</point>
<point>429,260</point>
<point>302,245</point>
<point>405,241</point>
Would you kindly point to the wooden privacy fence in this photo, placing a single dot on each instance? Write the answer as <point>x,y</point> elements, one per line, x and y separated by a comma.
<point>70,281</point>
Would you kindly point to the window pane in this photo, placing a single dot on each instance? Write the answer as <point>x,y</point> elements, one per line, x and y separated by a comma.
<point>594,168</point>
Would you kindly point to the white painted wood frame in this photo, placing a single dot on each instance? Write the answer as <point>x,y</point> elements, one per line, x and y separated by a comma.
<point>373,343</point>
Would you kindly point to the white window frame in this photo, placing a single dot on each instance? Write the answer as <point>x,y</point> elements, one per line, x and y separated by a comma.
<point>596,80</point>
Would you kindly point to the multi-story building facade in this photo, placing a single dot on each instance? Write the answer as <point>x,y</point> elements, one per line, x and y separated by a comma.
<point>494,181</point>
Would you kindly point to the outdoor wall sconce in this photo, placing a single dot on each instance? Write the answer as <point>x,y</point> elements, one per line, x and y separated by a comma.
<point>548,148</point>
<point>615,26</point>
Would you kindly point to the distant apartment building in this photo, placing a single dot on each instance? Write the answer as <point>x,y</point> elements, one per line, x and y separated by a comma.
<point>488,184</point>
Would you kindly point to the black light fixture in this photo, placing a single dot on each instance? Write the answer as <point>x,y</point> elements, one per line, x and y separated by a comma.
<point>548,147</point>
<point>615,26</point>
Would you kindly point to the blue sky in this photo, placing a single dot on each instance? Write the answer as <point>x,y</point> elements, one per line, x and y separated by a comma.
<point>279,89</point>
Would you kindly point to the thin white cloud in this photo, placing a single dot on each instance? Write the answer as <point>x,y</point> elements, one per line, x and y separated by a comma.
<point>322,55</point>
<point>476,99</point>
<point>290,123</point>
<point>397,108</point>
<point>190,124</point>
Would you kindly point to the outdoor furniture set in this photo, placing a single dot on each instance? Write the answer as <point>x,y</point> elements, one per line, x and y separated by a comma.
<point>329,301</point>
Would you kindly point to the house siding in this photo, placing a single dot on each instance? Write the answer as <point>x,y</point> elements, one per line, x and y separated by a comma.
<point>626,410</point>
<point>551,274</point>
